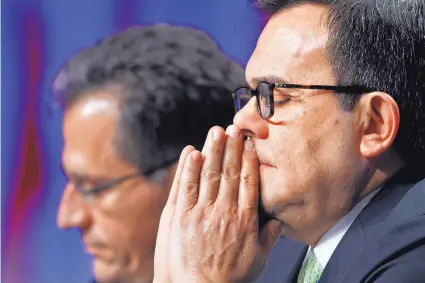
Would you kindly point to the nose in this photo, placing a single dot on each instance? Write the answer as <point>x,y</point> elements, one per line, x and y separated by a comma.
<point>250,121</point>
<point>72,212</point>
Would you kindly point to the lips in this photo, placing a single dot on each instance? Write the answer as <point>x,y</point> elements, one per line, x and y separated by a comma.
<point>99,254</point>
<point>266,164</point>
<point>94,248</point>
<point>91,249</point>
<point>264,161</point>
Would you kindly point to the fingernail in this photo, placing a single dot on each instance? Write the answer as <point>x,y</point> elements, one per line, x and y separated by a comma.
<point>217,134</point>
<point>196,156</point>
<point>233,131</point>
<point>249,146</point>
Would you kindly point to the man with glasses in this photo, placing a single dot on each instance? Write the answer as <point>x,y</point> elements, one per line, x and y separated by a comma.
<point>335,119</point>
<point>132,102</point>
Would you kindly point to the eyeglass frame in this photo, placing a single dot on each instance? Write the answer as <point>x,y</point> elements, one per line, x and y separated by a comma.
<point>271,86</point>
<point>96,190</point>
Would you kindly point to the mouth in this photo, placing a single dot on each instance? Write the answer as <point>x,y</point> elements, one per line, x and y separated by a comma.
<point>94,250</point>
<point>266,164</point>
<point>99,255</point>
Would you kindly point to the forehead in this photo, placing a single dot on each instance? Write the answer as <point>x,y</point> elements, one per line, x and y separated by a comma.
<point>90,117</point>
<point>292,46</point>
<point>88,129</point>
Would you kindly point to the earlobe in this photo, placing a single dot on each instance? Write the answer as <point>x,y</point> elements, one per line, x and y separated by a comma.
<point>381,118</point>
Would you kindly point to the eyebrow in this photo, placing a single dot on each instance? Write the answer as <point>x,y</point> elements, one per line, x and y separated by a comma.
<point>270,79</point>
<point>82,176</point>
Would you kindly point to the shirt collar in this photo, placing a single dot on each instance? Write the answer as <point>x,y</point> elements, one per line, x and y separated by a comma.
<point>330,240</point>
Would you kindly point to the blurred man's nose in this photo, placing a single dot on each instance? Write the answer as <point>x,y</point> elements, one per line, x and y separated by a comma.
<point>250,121</point>
<point>73,212</point>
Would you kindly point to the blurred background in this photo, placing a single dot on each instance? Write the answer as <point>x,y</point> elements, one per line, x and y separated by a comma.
<point>37,37</point>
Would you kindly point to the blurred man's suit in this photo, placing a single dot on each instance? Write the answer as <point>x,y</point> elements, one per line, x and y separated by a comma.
<point>390,231</point>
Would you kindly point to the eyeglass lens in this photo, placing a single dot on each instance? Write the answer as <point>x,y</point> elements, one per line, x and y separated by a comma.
<point>242,96</point>
<point>264,100</point>
<point>264,97</point>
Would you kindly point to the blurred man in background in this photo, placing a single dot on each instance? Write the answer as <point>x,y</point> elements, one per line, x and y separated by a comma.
<point>132,102</point>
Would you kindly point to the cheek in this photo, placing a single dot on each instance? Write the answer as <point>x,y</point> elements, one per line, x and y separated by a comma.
<point>318,135</point>
<point>129,220</point>
<point>308,152</point>
<point>296,148</point>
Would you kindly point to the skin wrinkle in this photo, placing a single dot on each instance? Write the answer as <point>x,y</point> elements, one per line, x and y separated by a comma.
<point>218,259</point>
<point>212,229</point>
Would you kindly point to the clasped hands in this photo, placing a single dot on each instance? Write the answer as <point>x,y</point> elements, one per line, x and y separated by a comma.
<point>208,230</point>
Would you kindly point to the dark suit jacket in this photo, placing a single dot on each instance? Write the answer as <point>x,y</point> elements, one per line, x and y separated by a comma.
<point>385,244</point>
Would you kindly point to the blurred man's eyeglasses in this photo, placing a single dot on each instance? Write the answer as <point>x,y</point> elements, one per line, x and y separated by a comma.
<point>265,99</point>
<point>89,193</point>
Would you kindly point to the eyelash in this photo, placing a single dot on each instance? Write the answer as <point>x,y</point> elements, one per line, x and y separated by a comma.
<point>282,101</point>
<point>84,183</point>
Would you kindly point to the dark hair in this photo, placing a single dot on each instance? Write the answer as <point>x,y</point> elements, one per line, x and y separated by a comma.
<point>174,84</point>
<point>379,45</point>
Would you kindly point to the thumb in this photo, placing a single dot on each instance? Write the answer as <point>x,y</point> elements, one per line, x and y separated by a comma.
<point>269,235</point>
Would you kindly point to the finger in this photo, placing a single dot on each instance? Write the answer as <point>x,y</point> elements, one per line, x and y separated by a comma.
<point>189,182</point>
<point>249,180</point>
<point>231,166</point>
<point>270,234</point>
<point>172,198</point>
<point>211,168</point>
<point>207,141</point>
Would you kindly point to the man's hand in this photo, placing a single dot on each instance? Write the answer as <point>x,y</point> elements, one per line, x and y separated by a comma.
<point>213,234</point>
<point>161,267</point>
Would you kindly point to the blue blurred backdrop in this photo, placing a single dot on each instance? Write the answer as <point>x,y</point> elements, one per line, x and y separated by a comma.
<point>37,37</point>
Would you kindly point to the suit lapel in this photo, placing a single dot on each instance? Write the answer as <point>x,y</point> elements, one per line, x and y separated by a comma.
<point>369,223</point>
<point>347,251</point>
<point>406,227</point>
<point>402,239</point>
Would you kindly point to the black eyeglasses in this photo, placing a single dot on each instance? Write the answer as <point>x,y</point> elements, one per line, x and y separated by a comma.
<point>93,191</point>
<point>265,99</point>
<point>105,185</point>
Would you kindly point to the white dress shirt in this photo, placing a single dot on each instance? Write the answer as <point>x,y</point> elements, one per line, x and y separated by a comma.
<point>329,241</point>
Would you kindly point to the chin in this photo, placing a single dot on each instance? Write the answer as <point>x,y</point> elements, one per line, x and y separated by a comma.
<point>288,232</point>
<point>115,273</point>
<point>277,207</point>
<point>106,272</point>
<point>270,200</point>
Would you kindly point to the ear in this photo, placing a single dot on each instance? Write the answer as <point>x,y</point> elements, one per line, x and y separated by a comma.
<point>381,118</point>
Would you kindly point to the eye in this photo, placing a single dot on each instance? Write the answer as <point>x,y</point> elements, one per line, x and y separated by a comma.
<point>84,185</point>
<point>78,183</point>
<point>282,101</point>
<point>281,97</point>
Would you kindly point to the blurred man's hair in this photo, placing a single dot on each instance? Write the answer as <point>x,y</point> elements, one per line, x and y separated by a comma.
<point>174,84</point>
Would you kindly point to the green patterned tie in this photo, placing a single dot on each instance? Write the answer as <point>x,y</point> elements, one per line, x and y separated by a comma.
<point>311,269</point>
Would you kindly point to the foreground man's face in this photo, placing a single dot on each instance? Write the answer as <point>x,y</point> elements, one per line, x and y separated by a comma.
<point>308,150</point>
<point>119,225</point>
